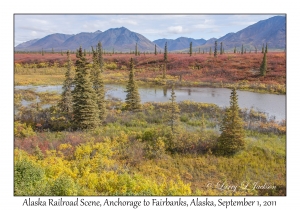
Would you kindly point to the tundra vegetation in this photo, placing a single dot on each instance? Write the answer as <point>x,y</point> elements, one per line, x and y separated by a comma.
<point>85,144</point>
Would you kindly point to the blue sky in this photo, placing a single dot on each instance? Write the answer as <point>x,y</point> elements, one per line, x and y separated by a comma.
<point>28,27</point>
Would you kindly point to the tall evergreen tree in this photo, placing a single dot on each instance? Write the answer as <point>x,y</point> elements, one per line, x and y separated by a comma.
<point>97,80</point>
<point>263,66</point>
<point>231,139</point>
<point>173,111</point>
<point>166,53</point>
<point>155,50</point>
<point>133,101</point>
<point>221,48</point>
<point>242,51</point>
<point>66,103</point>
<point>136,49</point>
<point>100,56</point>
<point>191,48</point>
<point>234,51</point>
<point>85,108</point>
<point>266,50</point>
<point>215,52</point>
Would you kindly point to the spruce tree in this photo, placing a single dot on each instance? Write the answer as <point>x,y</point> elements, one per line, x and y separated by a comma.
<point>166,53</point>
<point>100,56</point>
<point>231,139</point>
<point>234,51</point>
<point>155,50</point>
<point>173,111</point>
<point>263,66</point>
<point>97,80</point>
<point>133,101</point>
<point>136,49</point>
<point>242,49</point>
<point>266,50</point>
<point>191,49</point>
<point>85,108</point>
<point>215,52</point>
<point>221,48</point>
<point>66,103</point>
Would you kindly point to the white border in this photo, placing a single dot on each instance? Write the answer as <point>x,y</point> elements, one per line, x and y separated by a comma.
<point>7,201</point>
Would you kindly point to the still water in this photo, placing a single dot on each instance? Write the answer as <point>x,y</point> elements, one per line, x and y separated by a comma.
<point>271,104</point>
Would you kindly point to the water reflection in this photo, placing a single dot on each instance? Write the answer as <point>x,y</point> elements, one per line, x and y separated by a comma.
<point>165,90</point>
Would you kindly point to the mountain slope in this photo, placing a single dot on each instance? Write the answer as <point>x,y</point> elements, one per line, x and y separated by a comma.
<point>25,45</point>
<point>179,43</point>
<point>53,41</point>
<point>271,31</point>
<point>122,39</point>
<point>77,40</point>
<point>117,39</point>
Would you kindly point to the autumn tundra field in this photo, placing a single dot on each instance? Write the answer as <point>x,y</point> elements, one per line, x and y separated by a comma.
<point>64,146</point>
<point>241,70</point>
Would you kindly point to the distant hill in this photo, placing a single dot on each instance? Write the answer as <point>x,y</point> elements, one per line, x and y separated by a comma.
<point>179,43</point>
<point>25,45</point>
<point>48,42</point>
<point>77,40</point>
<point>117,39</point>
<point>122,39</point>
<point>271,31</point>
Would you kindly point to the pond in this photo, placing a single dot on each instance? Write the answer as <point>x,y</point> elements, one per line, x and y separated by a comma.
<point>273,105</point>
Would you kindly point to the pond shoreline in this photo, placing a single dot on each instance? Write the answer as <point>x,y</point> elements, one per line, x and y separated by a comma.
<point>219,96</point>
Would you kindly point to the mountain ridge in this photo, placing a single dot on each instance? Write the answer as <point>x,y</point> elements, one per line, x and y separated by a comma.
<point>271,31</point>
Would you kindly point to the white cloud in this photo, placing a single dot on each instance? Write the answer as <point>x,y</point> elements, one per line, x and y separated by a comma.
<point>40,21</point>
<point>175,29</point>
<point>33,33</point>
<point>124,21</point>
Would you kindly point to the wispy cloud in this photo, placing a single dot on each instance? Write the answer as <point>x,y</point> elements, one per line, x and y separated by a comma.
<point>175,29</point>
<point>124,21</point>
<point>34,29</point>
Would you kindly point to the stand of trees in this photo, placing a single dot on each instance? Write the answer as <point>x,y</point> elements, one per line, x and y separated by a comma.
<point>84,107</point>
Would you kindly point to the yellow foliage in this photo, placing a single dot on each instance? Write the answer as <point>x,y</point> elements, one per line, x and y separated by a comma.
<point>22,130</point>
